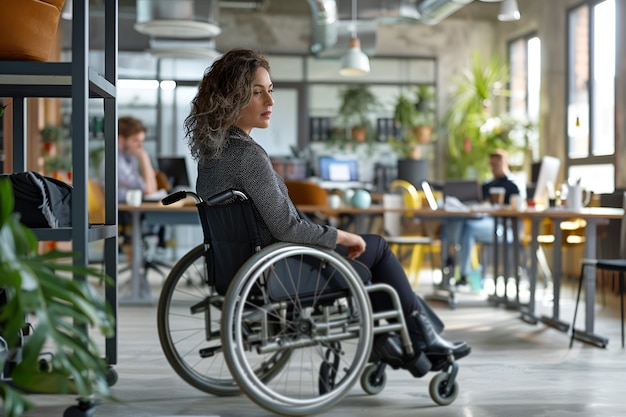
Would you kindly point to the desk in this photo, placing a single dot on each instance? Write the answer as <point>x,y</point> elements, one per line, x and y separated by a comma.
<point>593,216</point>
<point>509,219</point>
<point>154,212</point>
<point>360,214</point>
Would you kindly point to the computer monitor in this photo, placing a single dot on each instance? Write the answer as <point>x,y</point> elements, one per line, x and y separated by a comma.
<point>546,180</point>
<point>337,169</point>
<point>175,169</point>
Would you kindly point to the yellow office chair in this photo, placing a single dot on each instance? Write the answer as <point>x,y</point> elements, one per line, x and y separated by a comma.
<point>395,227</point>
<point>95,202</point>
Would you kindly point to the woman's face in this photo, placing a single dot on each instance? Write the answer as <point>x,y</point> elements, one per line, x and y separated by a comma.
<point>259,109</point>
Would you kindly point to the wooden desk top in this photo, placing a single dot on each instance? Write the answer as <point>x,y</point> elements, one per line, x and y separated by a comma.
<point>378,209</point>
<point>563,213</point>
<point>555,213</point>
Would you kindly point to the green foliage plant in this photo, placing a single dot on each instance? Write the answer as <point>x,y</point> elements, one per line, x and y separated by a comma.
<point>57,151</point>
<point>64,306</point>
<point>409,116</point>
<point>358,102</point>
<point>405,119</point>
<point>473,131</point>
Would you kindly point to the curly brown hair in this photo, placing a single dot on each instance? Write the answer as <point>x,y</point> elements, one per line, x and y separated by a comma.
<point>225,90</point>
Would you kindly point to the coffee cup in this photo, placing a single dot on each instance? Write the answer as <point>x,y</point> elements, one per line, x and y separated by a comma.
<point>496,196</point>
<point>134,197</point>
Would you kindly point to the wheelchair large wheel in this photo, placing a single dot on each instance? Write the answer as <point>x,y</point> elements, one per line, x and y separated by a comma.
<point>309,302</point>
<point>188,321</point>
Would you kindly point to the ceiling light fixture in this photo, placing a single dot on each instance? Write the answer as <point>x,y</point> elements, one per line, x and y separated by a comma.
<point>355,62</point>
<point>509,11</point>
<point>183,19</point>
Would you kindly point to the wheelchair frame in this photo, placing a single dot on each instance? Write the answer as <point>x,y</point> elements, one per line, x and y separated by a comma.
<point>295,327</point>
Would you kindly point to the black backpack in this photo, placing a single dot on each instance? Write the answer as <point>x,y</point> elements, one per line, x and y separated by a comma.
<point>43,202</point>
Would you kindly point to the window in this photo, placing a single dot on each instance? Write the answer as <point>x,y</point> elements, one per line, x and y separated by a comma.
<point>525,84</point>
<point>591,92</point>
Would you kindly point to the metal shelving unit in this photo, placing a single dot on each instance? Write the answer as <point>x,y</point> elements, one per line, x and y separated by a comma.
<point>77,81</point>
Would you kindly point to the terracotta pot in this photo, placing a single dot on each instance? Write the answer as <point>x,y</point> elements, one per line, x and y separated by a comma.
<point>423,134</point>
<point>359,134</point>
<point>29,28</point>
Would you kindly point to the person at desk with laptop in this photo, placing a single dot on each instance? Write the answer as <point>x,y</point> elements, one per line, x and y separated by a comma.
<point>134,169</point>
<point>464,233</point>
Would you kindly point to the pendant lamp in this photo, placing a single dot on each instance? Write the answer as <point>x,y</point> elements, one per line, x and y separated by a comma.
<point>509,11</point>
<point>355,63</point>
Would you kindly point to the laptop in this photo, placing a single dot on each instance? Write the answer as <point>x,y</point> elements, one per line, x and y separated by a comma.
<point>466,191</point>
<point>430,196</point>
<point>175,169</point>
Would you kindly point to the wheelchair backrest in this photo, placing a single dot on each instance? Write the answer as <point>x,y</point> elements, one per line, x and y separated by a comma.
<point>230,235</point>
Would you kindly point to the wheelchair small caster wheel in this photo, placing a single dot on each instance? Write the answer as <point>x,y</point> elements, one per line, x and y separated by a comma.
<point>441,391</point>
<point>44,365</point>
<point>83,409</point>
<point>371,383</point>
<point>111,377</point>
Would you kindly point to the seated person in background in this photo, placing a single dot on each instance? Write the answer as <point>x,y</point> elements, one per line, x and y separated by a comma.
<point>134,168</point>
<point>466,232</point>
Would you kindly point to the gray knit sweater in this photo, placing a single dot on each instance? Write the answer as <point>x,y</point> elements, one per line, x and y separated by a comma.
<point>245,166</point>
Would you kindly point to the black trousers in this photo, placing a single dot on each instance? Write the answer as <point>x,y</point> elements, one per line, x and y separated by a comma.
<point>386,268</point>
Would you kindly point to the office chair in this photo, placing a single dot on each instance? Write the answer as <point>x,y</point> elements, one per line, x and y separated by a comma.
<point>395,234</point>
<point>303,192</point>
<point>616,265</point>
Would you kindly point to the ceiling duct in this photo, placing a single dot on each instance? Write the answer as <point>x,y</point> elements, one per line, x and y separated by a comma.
<point>434,11</point>
<point>381,10</point>
<point>331,17</point>
<point>324,26</point>
<point>180,19</point>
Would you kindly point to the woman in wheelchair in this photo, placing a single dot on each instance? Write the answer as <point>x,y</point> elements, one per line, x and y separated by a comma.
<point>234,97</point>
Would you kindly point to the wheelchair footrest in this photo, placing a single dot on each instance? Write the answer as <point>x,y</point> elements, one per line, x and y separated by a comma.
<point>389,348</point>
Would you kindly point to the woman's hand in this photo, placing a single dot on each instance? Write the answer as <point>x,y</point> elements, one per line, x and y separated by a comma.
<point>354,243</point>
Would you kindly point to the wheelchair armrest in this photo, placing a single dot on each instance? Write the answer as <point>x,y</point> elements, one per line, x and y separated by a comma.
<point>225,196</point>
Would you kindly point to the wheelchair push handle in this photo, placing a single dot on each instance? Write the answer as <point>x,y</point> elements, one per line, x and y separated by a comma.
<point>179,195</point>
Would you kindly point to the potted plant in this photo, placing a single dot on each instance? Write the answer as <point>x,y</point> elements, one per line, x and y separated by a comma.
<point>405,116</point>
<point>406,143</point>
<point>473,131</point>
<point>357,103</point>
<point>426,108</point>
<point>29,28</point>
<point>414,122</point>
<point>56,153</point>
<point>38,285</point>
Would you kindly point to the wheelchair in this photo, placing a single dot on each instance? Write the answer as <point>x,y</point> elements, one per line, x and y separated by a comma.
<point>289,325</point>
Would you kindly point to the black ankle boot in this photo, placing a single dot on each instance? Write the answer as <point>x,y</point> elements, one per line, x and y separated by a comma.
<point>389,349</point>
<point>425,339</point>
